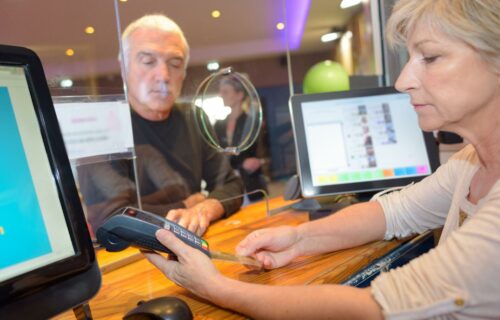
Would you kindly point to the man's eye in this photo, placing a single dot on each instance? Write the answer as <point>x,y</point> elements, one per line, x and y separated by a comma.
<point>147,61</point>
<point>176,64</point>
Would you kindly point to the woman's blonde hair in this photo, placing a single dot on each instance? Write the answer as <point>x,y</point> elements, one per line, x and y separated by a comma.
<point>475,22</point>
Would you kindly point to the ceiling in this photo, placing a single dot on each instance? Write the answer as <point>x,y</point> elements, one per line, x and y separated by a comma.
<point>246,28</point>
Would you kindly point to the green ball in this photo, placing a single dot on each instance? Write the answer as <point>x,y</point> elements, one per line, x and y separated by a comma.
<point>326,76</point>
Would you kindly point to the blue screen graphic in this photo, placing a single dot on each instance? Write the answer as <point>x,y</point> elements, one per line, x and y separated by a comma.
<point>23,235</point>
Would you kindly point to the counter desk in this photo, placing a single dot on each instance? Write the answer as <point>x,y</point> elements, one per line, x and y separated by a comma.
<point>127,277</point>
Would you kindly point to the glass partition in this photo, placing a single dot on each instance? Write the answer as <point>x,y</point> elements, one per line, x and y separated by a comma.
<point>274,43</point>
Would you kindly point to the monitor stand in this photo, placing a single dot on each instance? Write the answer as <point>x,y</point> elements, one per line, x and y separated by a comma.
<point>82,312</point>
<point>319,207</point>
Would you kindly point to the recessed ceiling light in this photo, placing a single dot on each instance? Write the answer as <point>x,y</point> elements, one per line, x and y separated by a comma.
<point>66,83</point>
<point>213,66</point>
<point>330,36</point>
<point>349,3</point>
<point>280,26</point>
<point>70,52</point>
<point>89,30</point>
<point>215,14</point>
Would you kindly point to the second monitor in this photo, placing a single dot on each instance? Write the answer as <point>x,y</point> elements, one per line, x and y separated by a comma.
<point>359,141</point>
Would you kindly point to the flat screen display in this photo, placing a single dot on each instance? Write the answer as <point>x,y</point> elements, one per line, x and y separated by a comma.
<point>33,230</point>
<point>358,141</point>
<point>47,261</point>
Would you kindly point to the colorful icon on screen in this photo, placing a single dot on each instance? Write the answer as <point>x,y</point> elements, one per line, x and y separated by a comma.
<point>2,231</point>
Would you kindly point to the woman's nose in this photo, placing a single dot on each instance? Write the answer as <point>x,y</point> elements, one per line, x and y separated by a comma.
<point>407,79</point>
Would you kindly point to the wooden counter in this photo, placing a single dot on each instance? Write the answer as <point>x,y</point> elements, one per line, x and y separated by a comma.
<point>129,278</point>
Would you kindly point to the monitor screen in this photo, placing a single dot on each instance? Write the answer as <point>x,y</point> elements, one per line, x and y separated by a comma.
<point>359,141</point>
<point>43,235</point>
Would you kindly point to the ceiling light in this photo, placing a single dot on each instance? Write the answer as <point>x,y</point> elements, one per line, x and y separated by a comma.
<point>123,0</point>
<point>213,66</point>
<point>280,26</point>
<point>70,52</point>
<point>89,30</point>
<point>215,14</point>
<point>348,34</point>
<point>331,36</point>
<point>66,83</point>
<point>349,3</point>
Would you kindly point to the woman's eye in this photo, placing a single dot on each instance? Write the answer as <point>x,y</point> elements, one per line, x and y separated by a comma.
<point>430,59</point>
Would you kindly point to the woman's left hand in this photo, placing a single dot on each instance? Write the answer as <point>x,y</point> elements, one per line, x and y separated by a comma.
<point>193,270</point>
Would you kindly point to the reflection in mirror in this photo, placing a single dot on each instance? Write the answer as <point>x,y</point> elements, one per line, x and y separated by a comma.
<point>227,111</point>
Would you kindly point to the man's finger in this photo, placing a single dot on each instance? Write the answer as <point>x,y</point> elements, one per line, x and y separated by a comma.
<point>174,215</point>
<point>202,223</point>
<point>193,223</point>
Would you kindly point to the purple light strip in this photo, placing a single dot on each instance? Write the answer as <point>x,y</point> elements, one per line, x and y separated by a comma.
<point>296,14</point>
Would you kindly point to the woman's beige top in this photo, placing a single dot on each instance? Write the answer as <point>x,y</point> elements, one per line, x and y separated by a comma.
<point>460,278</point>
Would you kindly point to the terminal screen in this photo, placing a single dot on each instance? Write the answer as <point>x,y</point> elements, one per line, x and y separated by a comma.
<point>363,139</point>
<point>33,228</point>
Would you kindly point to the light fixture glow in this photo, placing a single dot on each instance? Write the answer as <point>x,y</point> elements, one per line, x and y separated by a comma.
<point>89,30</point>
<point>213,66</point>
<point>214,108</point>
<point>280,26</point>
<point>215,14</point>
<point>70,52</point>
<point>330,37</point>
<point>66,83</point>
<point>123,0</point>
<point>349,3</point>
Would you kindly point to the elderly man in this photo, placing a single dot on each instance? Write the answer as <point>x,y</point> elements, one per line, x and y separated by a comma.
<point>172,157</point>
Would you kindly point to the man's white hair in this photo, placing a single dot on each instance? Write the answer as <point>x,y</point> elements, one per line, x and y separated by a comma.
<point>152,21</point>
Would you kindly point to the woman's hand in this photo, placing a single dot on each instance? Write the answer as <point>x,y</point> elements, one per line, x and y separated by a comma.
<point>193,270</point>
<point>273,247</point>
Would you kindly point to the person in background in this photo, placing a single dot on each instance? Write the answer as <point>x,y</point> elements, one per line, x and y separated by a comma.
<point>453,78</point>
<point>155,58</point>
<point>233,130</point>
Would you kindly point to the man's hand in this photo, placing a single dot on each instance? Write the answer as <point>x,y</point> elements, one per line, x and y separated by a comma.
<point>273,247</point>
<point>198,217</point>
<point>193,270</point>
<point>194,199</point>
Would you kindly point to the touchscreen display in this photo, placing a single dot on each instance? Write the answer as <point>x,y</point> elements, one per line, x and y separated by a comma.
<point>33,229</point>
<point>363,139</point>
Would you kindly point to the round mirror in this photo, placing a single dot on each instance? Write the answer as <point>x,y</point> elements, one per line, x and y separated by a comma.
<point>228,112</point>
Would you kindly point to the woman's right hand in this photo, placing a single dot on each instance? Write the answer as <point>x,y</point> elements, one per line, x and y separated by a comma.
<point>273,247</point>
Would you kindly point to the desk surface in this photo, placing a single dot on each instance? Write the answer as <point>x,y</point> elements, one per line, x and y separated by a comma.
<point>129,278</point>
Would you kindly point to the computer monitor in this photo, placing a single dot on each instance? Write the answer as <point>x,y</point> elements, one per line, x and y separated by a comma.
<point>359,141</point>
<point>47,262</point>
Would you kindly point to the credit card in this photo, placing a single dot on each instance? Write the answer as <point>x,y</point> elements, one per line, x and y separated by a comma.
<point>244,260</point>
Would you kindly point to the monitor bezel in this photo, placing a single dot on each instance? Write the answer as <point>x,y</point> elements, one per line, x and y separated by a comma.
<point>303,165</point>
<point>40,286</point>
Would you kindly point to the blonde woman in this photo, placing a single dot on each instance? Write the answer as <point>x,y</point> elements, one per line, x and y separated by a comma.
<point>453,78</point>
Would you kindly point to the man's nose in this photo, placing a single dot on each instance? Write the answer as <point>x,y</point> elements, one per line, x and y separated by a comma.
<point>162,72</point>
